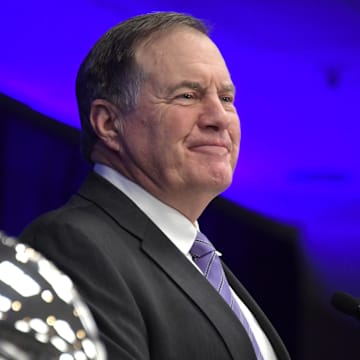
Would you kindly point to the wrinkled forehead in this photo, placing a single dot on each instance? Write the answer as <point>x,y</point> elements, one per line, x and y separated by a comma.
<point>159,37</point>
<point>178,48</point>
<point>180,42</point>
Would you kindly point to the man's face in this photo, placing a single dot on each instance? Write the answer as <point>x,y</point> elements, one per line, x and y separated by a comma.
<point>183,138</point>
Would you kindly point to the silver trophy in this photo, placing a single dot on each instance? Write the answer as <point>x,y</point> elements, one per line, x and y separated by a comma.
<point>42,316</point>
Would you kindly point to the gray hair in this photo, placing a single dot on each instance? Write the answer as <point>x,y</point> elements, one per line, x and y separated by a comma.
<point>110,71</point>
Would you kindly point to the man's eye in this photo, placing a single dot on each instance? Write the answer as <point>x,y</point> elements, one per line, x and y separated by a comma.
<point>186,96</point>
<point>228,99</point>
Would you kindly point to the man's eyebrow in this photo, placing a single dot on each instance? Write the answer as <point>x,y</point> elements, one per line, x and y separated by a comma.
<point>229,87</point>
<point>185,84</point>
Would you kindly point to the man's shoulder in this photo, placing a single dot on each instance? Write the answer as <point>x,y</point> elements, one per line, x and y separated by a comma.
<point>75,210</point>
<point>78,230</point>
<point>78,215</point>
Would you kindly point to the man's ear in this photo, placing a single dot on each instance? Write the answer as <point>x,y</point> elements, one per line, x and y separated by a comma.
<point>103,118</point>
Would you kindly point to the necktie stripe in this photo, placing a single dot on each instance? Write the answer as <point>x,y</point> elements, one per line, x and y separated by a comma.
<point>208,267</point>
<point>222,283</point>
<point>204,255</point>
<point>232,302</point>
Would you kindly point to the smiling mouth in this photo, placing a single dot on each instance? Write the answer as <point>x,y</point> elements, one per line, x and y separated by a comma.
<point>209,149</point>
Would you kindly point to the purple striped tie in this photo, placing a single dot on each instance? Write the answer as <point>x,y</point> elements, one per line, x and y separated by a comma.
<point>205,257</point>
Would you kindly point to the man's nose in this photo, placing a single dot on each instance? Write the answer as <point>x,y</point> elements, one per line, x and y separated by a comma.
<point>213,114</point>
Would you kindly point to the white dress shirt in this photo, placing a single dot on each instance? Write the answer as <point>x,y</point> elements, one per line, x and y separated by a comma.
<point>181,232</point>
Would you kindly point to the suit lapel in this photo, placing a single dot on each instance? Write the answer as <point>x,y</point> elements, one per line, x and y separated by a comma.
<point>160,249</point>
<point>116,204</point>
<point>199,290</point>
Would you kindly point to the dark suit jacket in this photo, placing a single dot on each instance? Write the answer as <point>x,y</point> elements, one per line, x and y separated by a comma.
<point>148,300</point>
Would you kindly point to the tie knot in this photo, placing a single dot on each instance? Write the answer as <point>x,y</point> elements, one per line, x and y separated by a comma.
<point>201,247</point>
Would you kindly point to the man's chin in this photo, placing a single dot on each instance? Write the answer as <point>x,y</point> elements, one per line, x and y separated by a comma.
<point>216,183</point>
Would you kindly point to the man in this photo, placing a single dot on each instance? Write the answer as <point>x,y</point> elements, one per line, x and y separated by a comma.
<point>158,121</point>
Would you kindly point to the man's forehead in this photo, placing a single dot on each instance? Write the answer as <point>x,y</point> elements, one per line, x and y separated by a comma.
<point>183,57</point>
<point>161,35</point>
<point>161,44</point>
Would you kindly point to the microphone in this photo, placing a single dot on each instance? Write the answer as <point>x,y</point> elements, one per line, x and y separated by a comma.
<point>346,304</point>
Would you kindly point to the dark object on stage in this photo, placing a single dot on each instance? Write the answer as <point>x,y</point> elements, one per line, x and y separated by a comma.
<point>346,304</point>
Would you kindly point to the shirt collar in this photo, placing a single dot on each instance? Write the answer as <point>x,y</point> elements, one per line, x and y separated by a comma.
<point>179,229</point>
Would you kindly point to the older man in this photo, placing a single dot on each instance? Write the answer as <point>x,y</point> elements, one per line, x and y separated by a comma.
<point>159,123</point>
